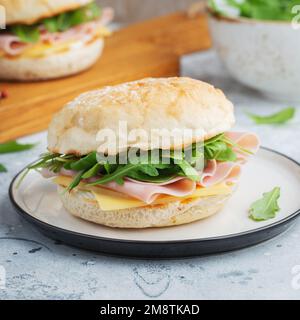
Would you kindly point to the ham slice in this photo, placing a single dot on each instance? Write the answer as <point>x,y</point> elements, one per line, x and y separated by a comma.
<point>148,193</point>
<point>12,45</point>
<point>248,141</point>
<point>214,173</point>
<point>229,172</point>
<point>217,172</point>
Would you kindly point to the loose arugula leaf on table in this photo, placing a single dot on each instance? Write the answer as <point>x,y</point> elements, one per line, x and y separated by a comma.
<point>14,146</point>
<point>10,147</point>
<point>266,207</point>
<point>280,117</point>
<point>2,168</point>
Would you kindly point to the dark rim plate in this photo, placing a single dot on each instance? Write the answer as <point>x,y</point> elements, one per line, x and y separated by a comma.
<point>161,249</point>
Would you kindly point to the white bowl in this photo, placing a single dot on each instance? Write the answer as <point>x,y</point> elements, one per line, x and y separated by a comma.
<point>264,55</point>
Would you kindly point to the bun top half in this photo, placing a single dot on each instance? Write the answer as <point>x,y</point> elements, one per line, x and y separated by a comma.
<point>144,105</point>
<point>31,11</point>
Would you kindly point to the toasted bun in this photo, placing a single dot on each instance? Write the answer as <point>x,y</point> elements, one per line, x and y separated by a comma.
<point>172,214</point>
<point>52,66</point>
<point>168,103</point>
<point>30,11</point>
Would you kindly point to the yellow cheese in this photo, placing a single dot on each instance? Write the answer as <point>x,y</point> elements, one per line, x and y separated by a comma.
<point>111,200</point>
<point>44,49</point>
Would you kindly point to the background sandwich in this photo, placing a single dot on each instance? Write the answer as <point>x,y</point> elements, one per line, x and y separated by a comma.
<point>51,39</point>
<point>146,194</point>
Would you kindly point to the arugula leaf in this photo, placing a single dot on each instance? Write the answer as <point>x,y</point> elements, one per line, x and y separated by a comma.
<point>51,24</point>
<point>94,171</point>
<point>149,169</point>
<point>227,155</point>
<point>277,118</point>
<point>266,207</point>
<point>59,23</point>
<point>189,171</point>
<point>85,163</point>
<point>26,33</point>
<point>170,164</point>
<point>219,148</point>
<point>140,176</point>
<point>75,181</point>
<point>14,146</point>
<point>73,18</point>
<point>120,173</point>
<point>2,168</point>
<point>43,161</point>
<point>63,22</point>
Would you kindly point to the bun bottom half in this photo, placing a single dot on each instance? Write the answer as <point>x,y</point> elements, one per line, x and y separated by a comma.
<point>53,66</point>
<point>170,214</point>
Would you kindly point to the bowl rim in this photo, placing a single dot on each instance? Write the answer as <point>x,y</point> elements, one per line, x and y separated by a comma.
<point>213,14</point>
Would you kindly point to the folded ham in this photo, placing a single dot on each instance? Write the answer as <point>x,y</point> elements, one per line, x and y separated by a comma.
<point>12,45</point>
<point>214,173</point>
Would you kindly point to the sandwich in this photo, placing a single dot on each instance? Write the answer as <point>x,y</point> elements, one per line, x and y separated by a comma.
<point>148,153</point>
<point>51,39</point>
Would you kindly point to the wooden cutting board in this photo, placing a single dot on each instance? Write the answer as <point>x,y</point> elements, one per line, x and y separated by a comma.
<point>148,49</point>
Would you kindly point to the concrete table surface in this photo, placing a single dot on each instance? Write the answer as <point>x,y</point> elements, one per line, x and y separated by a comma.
<point>37,267</point>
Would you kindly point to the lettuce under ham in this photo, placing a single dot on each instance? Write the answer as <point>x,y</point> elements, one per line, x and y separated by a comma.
<point>214,173</point>
<point>12,45</point>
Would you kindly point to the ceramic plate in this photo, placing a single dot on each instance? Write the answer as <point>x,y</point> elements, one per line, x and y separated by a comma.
<point>37,200</point>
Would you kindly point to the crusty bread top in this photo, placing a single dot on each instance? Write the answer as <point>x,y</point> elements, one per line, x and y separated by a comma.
<point>166,103</point>
<point>30,11</point>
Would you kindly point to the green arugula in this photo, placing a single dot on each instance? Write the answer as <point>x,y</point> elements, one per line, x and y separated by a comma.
<point>169,166</point>
<point>266,207</point>
<point>2,168</point>
<point>10,147</point>
<point>28,34</point>
<point>256,9</point>
<point>14,146</point>
<point>218,149</point>
<point>76,181</point>
<point>277,118</point>
<point>59,23</point>
<point>71,19</point>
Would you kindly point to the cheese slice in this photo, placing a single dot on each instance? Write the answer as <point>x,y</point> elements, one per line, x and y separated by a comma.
<point>45,49</point>
<point>111,200</point>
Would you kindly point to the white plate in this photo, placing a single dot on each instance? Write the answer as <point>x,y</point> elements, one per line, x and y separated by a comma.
<point>37,200</point>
